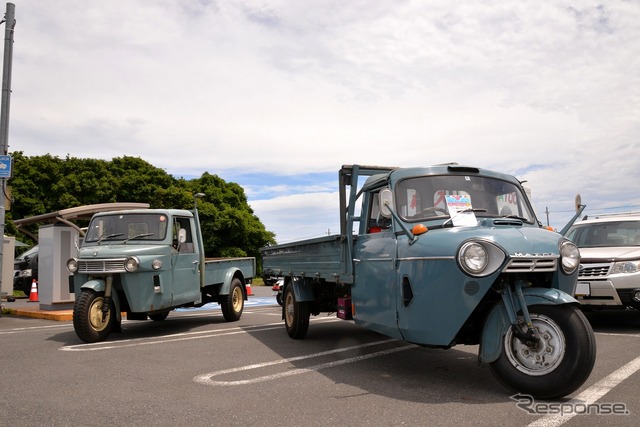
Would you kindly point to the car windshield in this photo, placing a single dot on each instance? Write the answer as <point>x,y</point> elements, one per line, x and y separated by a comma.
<point>119,227</point>
<point>433,196</point>
<point>606,234</point>
<point>30,252</point>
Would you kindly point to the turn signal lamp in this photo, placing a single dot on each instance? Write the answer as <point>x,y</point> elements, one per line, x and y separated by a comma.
<point>419,229</point>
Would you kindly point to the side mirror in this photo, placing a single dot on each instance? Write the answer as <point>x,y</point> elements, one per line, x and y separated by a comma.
<point>182,235</point>
<point>386,201</point>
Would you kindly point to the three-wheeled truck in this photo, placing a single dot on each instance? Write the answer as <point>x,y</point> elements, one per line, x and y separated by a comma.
<point>446,255</point>
<point>147,262</point>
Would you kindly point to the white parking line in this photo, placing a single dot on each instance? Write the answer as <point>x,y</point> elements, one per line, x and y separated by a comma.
<point>591,395</point>
<point>33,328</point>
<point>183,336</point>
<point>207,378</point>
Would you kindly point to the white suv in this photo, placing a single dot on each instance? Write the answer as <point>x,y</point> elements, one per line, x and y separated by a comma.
<point>609,275</point>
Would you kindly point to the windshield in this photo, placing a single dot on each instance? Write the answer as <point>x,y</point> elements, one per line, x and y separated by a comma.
<point>127,227</point>
<point>30,252</point>
<point>430,197</point>
<point>606,234</point>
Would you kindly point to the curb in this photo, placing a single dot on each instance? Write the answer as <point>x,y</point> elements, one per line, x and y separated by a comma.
<point>59,315</point>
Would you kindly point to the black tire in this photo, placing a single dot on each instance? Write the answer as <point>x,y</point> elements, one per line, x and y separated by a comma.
<point>159,317</point>
<point>87,317</point>
<point>233,304</point>
<point>279,298</point>
<point>563,360</point>
<point>296,315</point>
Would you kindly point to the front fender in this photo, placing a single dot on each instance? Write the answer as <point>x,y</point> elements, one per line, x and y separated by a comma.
<point>497,322</point>
<point>98,285</point>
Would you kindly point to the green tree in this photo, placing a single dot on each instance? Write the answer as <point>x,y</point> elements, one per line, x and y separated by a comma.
<point>43,184</point>
<point>229,225</point>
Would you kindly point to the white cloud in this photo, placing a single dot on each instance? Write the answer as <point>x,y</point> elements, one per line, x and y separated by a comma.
<point>285,88</point>
<point>300,216</point>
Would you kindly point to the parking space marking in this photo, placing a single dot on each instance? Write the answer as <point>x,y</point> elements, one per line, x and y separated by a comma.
<point>617,334</point>
<point>207,378</point>
<point>251,302</point>
<point>592,394</point>
<point>32,328</point>
<point>183,336</point>
<point>205,313</point>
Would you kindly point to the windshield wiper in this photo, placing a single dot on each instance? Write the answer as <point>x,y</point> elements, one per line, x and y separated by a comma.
<point>110,236</point>
<point>137,236</point>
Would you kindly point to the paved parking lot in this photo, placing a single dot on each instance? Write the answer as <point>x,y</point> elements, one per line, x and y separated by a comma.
<point>194,368</point>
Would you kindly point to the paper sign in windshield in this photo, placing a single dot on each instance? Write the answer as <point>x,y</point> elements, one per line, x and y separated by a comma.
<point>460,210</point>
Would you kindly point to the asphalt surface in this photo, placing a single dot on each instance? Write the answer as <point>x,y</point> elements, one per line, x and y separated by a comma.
<point>196,369</point>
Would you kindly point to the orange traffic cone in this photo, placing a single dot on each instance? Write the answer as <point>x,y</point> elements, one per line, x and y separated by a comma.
<point>33,296</point>
<point>249,293</point>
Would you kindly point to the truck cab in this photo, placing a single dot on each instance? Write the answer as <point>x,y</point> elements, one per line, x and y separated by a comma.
<point>424,229</point>
<point>147,262</point>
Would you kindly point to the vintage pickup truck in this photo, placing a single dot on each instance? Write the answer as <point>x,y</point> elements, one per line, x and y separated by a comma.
<point>446,255</point>
<point>147,262</point>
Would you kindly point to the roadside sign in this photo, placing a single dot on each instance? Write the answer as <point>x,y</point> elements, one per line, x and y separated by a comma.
<point>5,166</point>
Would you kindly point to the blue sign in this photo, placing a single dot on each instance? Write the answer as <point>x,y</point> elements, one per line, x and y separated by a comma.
<point>5,166</point>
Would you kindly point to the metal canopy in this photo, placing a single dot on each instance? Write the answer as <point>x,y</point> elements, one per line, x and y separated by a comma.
<point>79,212</point>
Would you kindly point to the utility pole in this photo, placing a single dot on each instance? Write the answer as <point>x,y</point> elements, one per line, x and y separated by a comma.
<point>546,210</point>
<point>9,24</point>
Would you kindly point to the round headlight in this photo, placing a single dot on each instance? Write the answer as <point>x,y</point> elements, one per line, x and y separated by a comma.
<point>570,257</point>
<point>72,265</point>
<point>473,258</point>
<point>156,264</point>
<point>131,264</point>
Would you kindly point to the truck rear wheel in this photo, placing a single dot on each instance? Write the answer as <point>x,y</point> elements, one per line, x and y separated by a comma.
<point>88,321</point>
<point>296,315</point>
<point>233,304</point>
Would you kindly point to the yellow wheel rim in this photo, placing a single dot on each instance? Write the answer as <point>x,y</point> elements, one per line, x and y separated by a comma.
<point>237,299</point>
<point>95,315</point>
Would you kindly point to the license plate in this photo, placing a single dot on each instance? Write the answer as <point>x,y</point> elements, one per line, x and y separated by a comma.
<point>583,289</point>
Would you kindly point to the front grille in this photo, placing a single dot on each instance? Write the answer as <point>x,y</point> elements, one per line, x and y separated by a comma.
<point>101,266</point>
<point>594,270</point>
<point>531,265</point>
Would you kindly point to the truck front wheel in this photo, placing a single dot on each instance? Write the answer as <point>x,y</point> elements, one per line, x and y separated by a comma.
<point>296,315</point>
<point>89,322</point>
<point>233,304</point>
<point>555,366</point>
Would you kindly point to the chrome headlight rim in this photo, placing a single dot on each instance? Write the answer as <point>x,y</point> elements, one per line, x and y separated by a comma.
<point>473,258</point>
<point>493,257</point>
<point>569,257</point>
<point>72,265</point>
<point>132,264</point>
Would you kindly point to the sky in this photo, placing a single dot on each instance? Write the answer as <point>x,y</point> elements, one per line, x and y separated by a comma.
<point>278,95</point>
